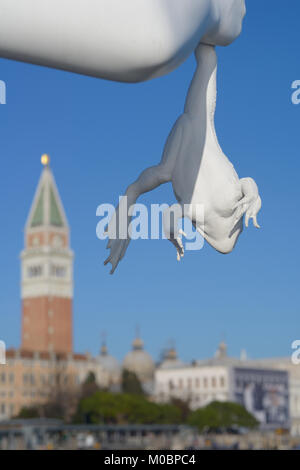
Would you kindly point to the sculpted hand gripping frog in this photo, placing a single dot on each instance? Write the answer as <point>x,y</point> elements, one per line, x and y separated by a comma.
<point>123,40</point>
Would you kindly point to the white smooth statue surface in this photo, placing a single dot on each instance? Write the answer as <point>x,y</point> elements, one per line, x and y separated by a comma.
<point>121,40</point>
<point>136,40</point>
<point>199,171</point>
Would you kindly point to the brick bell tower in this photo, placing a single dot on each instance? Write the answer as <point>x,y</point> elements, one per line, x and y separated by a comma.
<point>47,272</point>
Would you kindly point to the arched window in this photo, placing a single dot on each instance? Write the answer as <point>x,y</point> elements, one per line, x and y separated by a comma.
<point>58,271</point>
<point>171,386</point>
<point>35,271</point>
<point>222,381</point>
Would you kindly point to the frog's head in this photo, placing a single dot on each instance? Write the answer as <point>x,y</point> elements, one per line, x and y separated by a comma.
<point>228,16</point>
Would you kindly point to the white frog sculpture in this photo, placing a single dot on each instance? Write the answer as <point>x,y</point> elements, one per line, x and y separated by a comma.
<point>199,171</point>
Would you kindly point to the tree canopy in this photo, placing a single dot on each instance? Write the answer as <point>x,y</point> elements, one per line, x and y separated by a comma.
<point>221,415</point>
<point>131,383</point>
<point>122,408</point>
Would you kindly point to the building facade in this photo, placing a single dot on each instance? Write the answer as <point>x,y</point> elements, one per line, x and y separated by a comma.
<point>293,370</point>
<point>199,386</point>
<point>262,390</point>
<point>30,379</point>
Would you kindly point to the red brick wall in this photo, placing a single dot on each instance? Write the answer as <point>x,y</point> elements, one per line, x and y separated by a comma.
<point>41,237</point>
<point>41,329</point>
<point>45,238</point>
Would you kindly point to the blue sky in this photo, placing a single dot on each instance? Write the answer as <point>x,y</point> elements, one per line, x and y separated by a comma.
<point>101,134</point>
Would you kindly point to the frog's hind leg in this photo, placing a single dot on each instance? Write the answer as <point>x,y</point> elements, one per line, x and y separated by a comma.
<point>171,217</point>
<point>250,204</point>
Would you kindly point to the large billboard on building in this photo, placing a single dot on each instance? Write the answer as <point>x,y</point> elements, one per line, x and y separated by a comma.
<point>264,393</point>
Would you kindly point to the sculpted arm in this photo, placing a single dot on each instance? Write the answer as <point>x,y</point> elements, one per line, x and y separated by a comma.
<point>121,40</point>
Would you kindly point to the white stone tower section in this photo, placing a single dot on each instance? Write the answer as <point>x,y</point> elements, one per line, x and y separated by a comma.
<point>47,272</point>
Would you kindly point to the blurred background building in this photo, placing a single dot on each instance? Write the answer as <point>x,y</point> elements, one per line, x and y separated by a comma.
<point>46,362</point>
<point>268,388</point>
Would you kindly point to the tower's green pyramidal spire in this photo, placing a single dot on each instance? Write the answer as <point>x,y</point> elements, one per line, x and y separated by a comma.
<point>55,215</point>
<point>47,209</point>
<point>38,216</point>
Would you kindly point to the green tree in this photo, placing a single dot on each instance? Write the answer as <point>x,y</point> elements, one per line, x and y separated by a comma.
<point>28,413</point>
<point>131,383</point>
<point>123,408</point>
<point>90,378</point>
<point>219,415</point>
<point>183,406</point>
<point>89,386</point>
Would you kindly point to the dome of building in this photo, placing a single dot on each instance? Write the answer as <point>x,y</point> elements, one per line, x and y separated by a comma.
<point>221,352</point>
<point>139,362</point>
<point>170,360</point>
<point>109,363</point>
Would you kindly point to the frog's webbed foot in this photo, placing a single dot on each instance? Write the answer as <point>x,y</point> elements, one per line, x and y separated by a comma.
<point>177,242</point>
<point>252,212</point>
<point>171,217</point>
<point>117,233</point>
<point>250,204</point>
<point>117,249</point>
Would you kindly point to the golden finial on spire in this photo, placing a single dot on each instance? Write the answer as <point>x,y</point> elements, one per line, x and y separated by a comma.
<point>45,159</point>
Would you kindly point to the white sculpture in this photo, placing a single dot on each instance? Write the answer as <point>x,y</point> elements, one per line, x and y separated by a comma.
<point>199,171</point>
<point>135,40</point>
<point>123,40</point>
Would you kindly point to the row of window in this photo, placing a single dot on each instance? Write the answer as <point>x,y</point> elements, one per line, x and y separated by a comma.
<point>198,383</point>
<point>203,398</point>
<point>55,271</point>
<point>39,393</point>
<point>30,394</point>
<point>8,394</point>
<point>31,379</point>
<point>58,271</point>
<point>241,383</point>
<point>33,364</point>
<point>35,271</point>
